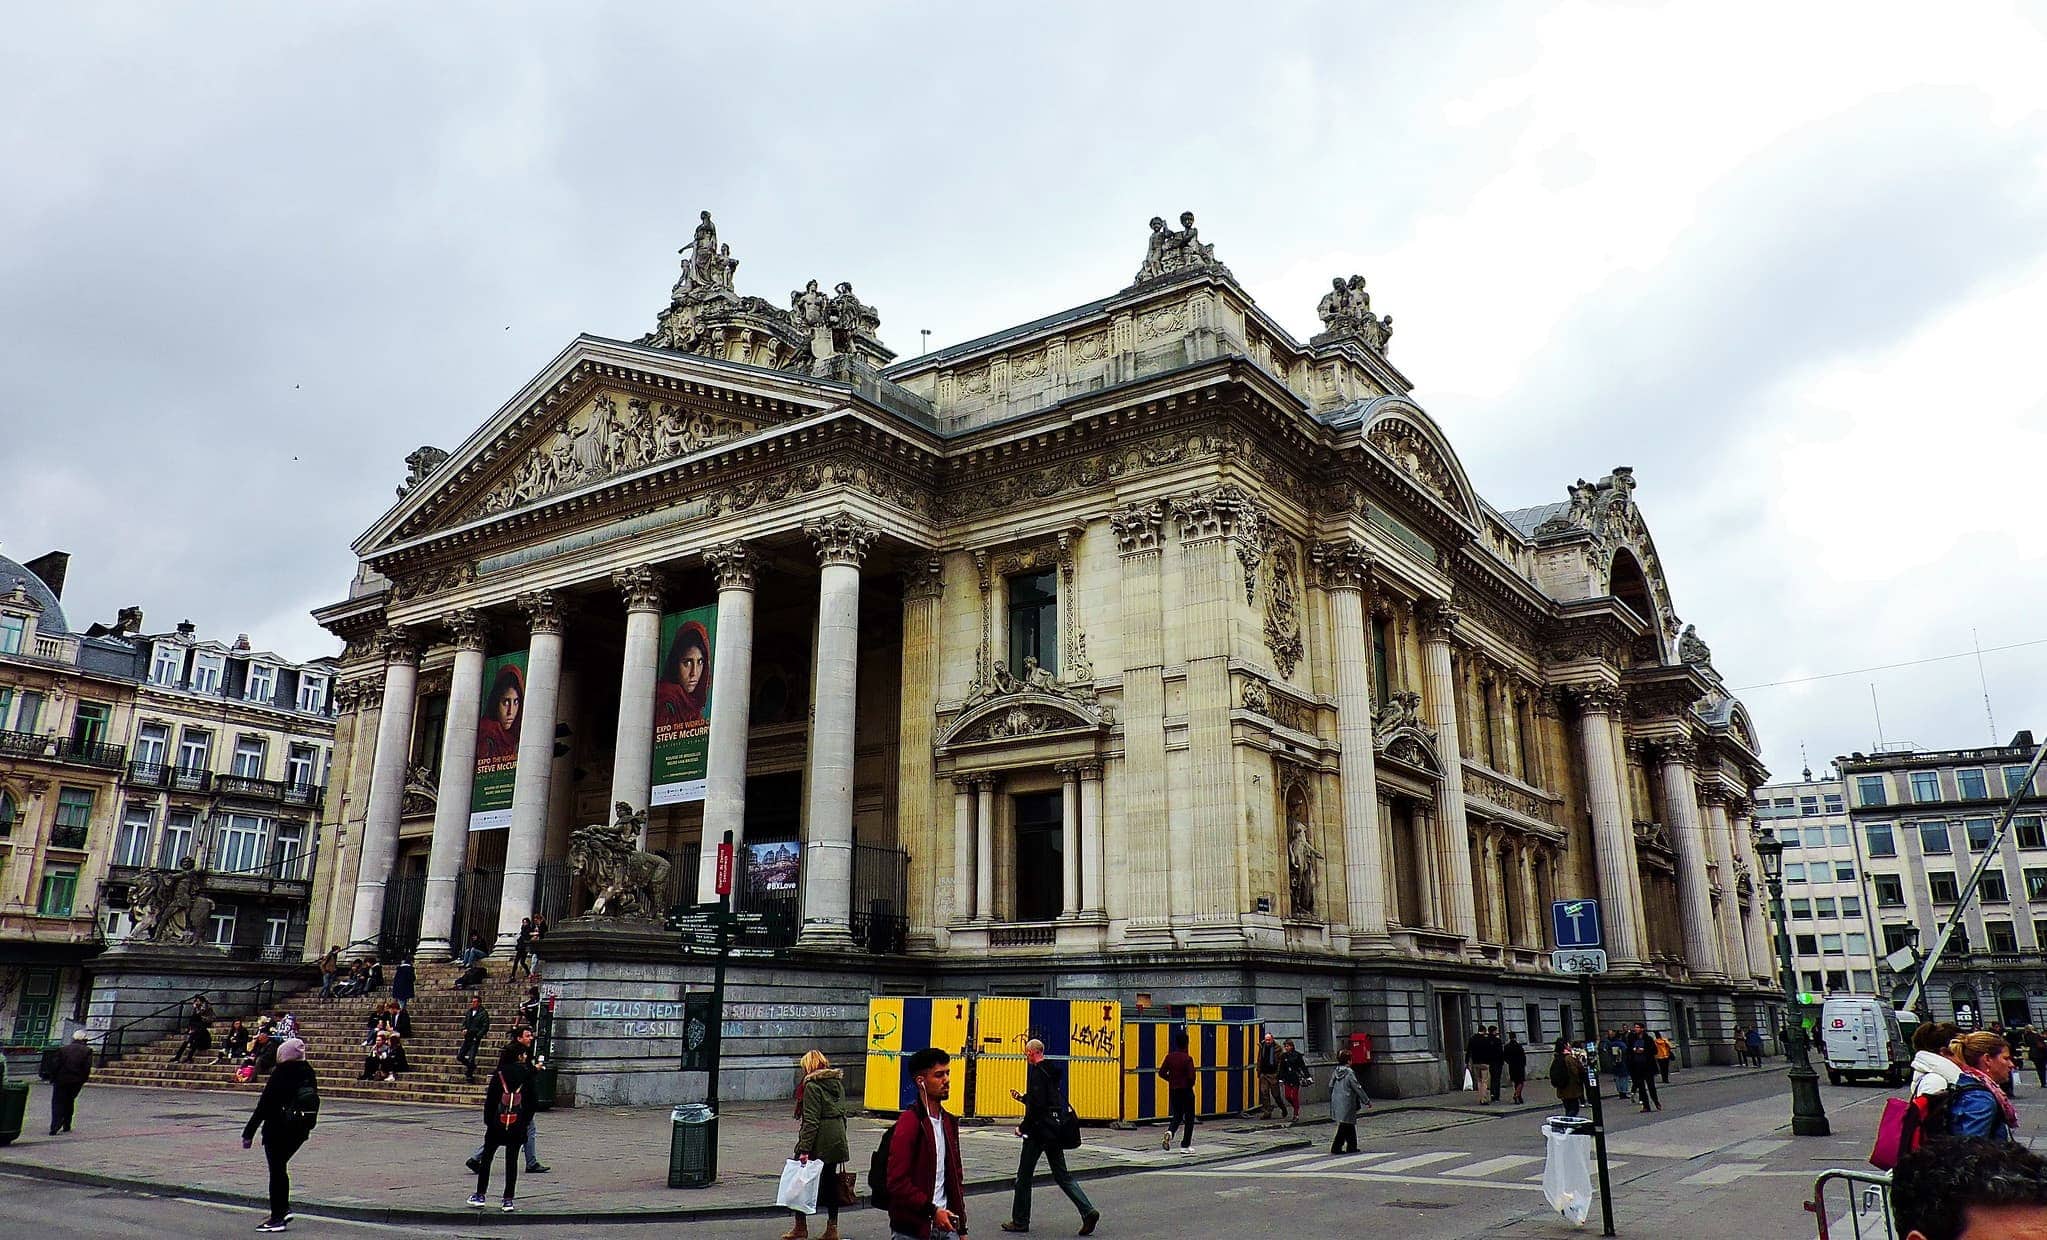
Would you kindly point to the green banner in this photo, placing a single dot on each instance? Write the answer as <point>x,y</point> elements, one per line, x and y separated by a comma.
<point>497,741</point>
<point>682,705</point>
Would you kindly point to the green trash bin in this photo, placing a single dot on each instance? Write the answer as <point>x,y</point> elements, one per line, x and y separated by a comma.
<point>693,1147</point>
<point>13,1106</point>
<point>543,1088</point>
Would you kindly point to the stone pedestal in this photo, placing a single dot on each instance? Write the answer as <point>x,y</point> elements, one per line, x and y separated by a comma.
<point>136,985</point>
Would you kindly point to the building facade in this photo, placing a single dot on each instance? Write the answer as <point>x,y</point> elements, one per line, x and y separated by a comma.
<point>1142,651</point>
<point>1829,903</point>
<point>1924,819</point>
<point>121,752</point>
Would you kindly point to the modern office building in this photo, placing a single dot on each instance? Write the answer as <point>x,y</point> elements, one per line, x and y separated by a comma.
<point>1834,947</point>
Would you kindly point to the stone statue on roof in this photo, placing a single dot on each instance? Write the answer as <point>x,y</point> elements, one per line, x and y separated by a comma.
<point>809,307</point>
<point>1692,649</point>
<point>1168,251</point>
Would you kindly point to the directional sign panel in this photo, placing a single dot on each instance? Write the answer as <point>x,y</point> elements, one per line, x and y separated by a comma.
<point>1576,924</point>
<point>1581,961</point>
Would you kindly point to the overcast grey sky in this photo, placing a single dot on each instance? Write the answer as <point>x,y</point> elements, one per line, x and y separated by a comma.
<point>1788,261</point>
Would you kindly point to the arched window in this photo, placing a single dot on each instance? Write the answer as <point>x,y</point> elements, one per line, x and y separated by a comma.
<point>9,813</point>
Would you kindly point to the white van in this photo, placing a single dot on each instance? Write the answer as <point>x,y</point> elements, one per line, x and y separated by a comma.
<point>1863,1039</point>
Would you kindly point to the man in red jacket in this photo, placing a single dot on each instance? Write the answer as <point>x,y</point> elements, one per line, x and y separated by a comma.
<point>927,1197</point>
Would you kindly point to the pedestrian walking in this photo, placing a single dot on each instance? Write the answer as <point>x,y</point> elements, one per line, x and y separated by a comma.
<point>330,964</point>
<point>1044,1101</point>
<point>67,1077</point>
<point>927,1197</point>
<point>1268,1077</point>
<point>1178,1070</point>
<point>1293,1074</point>
<point>402,982</point>
<point>1346,1098</point>
<point>1663,1056</point>
<point>521,1049</point>
<point>286,1112</point>
<point>1515,1057</point>
<point>507,1116</point>
<point>1478,1060</point>
<point>1640,1053</point>
<point>522,948</point>
<point>2036,1049</point>
<point>475,1026</point>
<point>1567,1076</point>
<point>1614,1055</point>
<point>1755,1044</point>
<point>821,1134</point>
<point>539,935</point>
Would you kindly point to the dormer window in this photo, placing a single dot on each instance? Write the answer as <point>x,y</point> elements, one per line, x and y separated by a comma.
<point>167,665</point>
<point>262,684</point>
<point>312,692</point>
<point>13,633</point>
<point>207,670</point>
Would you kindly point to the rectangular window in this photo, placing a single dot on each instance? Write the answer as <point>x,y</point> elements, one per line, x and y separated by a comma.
<point>1830,944</point>
<point>1869,790</point>
<point>1823,907</point>
<point>1321,1027</point>
<point>1895,938</point>
<point>1890,891</point>
<point>1382,679</point>
<point>131,845</point>
<point>1942,886</point>
<point>167,665</point>
<point>1815,837</point>
<point>152,744</point>
<point>274,931</point>
<point>2014,779</point>
<point>1834,805</point>
<point>59,890</point>
<point>1787,836</point>
<point>1844,871</point>
<point>1992,889</point>
<point>1925,786</point>
<point>1980,834</point>
<point>1971,785</point>
<point>249,754</point>
<point>1933,837</point>
<point>6,704</point>
<point>2001,936</point>
<point>1808,807</point>
<point>1865,982</point>
<point>195,749</point>
<point>13,634</point>
<point>2036,884</point>
<point>302,765</point>
<point>1837,981</point>
<point>1806,945</point>
<point>1881,842</point>
<point>262,686</point>
<point>2040,934</point>
<point>1033,623</point>
<point>179,828</point>
<point>241,843</point>
<point>1837,836</point>
<point>1794,872</point>
<point>1851,906</point>
<point>29,712</point>
<point>287,851</point>
<point>1782,803</point>
<point>2028,832</point>
<point>312,692</point>
<point>429,729</point>
<point>1801,910</point>
<point>74,809</point>
<point>221,930</point>
<point>207,672</point>
<point>89,723</point>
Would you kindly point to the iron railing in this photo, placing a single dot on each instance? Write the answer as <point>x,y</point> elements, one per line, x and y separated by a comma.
<point>91,753</point>
<point>23,745</point>
<point>190,779</point>
<point>116,1041</point>
<point>69,836</point>
<point>148,774</point>
<point>1866,1201</point>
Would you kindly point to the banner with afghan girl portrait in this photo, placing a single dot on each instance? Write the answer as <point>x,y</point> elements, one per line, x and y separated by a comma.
<point>497,741</point>
<point>682,705</point>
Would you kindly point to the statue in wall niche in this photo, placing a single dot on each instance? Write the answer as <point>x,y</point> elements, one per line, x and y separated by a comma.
<point>1304,866</point>
<point>167,905</point>
<point>626,881</point>
<point>1402,710</point>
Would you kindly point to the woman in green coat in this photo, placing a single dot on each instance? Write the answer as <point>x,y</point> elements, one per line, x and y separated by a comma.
<point>821,1105</point>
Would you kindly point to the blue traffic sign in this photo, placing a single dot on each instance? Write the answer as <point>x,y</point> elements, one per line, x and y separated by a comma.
<point>1576,924</point>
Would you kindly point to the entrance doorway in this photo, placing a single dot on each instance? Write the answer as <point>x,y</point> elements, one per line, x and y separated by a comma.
<point>1040,856</point>
<point>1453,1025</point>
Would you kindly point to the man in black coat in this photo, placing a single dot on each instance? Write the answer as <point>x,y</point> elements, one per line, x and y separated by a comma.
<point>1042,1098</point>
<point>72,1070</point>
<point>475,1024</point>
<point>1515,1056</point>
<point>1641,1052</point>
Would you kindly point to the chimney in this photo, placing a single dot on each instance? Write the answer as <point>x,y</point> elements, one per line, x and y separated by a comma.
<point>51,566</point>
<point>186,628</point>
<point>242,642</point>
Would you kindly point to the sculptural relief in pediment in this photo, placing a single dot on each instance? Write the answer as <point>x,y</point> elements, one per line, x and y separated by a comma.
<point>610,435</point>
<point>1416,457</point>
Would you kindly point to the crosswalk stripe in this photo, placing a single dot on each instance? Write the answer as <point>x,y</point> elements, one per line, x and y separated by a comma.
<point>1419,1160</point>
<point>1296,1156</point>
<point>1612,1165</point>
<point>1345,1160</point>
<point>1491,1165</point>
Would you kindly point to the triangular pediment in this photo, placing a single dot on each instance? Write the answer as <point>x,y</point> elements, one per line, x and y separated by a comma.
<point>601,411</point>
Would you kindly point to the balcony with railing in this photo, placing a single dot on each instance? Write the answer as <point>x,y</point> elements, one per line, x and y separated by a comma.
<point>83,752</point>
<point>68,836</point>
<point>190,779</point>
<point>308,795</point>
<point>148,775</point>
<point>24,745</point>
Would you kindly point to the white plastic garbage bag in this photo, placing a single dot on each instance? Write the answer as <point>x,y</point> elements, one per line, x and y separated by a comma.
<point>798,1190</point>
<point>1567,1174</point>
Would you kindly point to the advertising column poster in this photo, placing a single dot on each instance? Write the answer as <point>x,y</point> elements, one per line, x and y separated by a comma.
<point>682,705</point>
<point>497,741</point>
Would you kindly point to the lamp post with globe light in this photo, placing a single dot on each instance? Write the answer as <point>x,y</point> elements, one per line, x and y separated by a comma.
<point>1808,1116</point>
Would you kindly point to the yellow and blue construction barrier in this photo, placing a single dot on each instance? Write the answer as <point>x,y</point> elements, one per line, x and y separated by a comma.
<point>898,1027</point>
<point>1223,1041</point>
<point>1085,1035</point>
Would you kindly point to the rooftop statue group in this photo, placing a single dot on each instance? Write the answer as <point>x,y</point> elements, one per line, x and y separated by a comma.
<point>1346,310</point>
<point>1169,251</point>
<point>705,290</point>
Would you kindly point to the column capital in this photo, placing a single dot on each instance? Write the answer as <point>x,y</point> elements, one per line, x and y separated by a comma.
<point>469,628</point>
<point>1341,564</point>
<point>1438,619</point>
<point>1137,526</point>
<point>546,610</point>
<point>1714,794</point>
<point>1680,750</point>
<point>1068,770</point>
<point>841,539</point>
<point>1089,768</point>
<point>642,586</point>
<point>1224,512</point>
<point>399,644</point>
<point>965,783</point>
<point>734,564</point>
<point>924,578</point>
<point>986,783</point>
<point>1596,699</point>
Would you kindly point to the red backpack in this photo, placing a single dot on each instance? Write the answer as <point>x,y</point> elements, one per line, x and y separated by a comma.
<point>1906,1124</point>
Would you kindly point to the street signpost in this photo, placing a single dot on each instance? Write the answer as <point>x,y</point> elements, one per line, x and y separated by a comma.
<point>1581,952</point>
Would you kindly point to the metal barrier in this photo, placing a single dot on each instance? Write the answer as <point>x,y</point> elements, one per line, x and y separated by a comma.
<point>1867,1206</point>
<point>1085,1035</point>
<point>1223,1042</point>
<point>901,1026</point>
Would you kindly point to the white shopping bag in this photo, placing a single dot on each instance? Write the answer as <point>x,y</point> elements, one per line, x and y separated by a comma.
<point>1468,1082</point>
<point>798,1190</point>
<point>1567,1174</point>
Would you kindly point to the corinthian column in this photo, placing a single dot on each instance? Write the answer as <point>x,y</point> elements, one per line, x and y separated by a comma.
<point>962,849</point>
<point>1069,837</point>
<point>387,789</point>
<point>1688,836</point>
<point>1439,625</point>
<point>842,543</point>
<point>632,760</point>
<point>1733,948</point>
<point>1613,836</point>
<point>1340,569</point>
<point>547,612</point>
<point>731,710</point>
<point>458,775</point>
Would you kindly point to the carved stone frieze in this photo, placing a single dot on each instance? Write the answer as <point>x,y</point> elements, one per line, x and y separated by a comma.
<point>1416,456</point>
<point>433,581</point>
<point>841,539</point>
<point>1283,611</point>
<point>602,440</point>
<point>422,792</point>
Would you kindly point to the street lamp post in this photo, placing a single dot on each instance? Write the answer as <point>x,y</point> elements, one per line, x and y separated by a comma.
<point>1808,1116</point>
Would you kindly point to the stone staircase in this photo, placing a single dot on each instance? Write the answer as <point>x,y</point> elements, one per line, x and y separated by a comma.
<point>333,1031</point>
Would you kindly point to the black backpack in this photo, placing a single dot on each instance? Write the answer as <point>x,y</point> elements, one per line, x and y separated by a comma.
<point>877,1173</point>
<point>304,1107</point>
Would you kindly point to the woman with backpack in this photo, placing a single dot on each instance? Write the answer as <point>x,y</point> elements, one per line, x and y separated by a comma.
<point>821,1106</point>
<point>1567,1076</point>
<point>1980,1107</point>
<point>286,1113</point>
<point>507,1113</point>
<point>1932,1071</point>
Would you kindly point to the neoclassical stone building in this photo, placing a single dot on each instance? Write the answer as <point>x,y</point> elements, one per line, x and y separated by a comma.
<point>1142,651</point>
